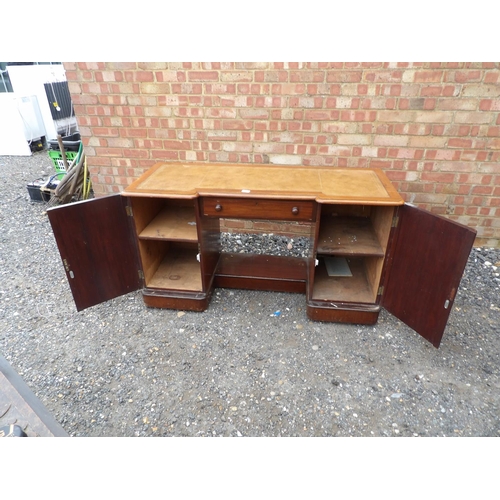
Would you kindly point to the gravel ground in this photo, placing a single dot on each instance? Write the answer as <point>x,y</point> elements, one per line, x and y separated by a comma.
<point>238,369</point>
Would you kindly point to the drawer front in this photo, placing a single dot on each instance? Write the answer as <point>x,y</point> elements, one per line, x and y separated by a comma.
<point>246,208</point>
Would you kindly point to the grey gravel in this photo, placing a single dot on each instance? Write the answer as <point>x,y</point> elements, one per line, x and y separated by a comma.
<point>251,365</point>
<point>274,244</point>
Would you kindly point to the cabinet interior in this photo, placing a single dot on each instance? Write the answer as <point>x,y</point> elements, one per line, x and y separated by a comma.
<point>354,237</point>
<point>168,243</point>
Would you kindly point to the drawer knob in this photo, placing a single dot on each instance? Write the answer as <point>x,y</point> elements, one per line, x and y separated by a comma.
<point>218,207</point>
<point>295,210</point>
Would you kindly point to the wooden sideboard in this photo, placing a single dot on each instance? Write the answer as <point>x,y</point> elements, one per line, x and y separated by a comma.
<point>368,249</point>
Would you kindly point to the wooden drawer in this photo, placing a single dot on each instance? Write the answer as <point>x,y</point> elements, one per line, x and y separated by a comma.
<point>248,208</point>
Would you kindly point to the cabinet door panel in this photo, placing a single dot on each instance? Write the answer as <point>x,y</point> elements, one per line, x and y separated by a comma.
<point>95,241</point>
<point>425,269</point>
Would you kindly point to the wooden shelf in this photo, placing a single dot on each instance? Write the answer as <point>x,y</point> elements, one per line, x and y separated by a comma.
<point>179,270</point>
<point>348,236</point>
<point>355,288</point>
<point>172,223</point>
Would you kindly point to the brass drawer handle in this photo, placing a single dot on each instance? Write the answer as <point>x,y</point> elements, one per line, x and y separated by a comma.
<point>295,210</point>
<point>218,207</point>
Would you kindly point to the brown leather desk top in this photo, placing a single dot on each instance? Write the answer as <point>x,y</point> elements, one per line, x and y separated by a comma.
<point>322,184</point>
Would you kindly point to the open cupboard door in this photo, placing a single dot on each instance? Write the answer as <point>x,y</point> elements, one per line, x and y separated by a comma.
<point>425,268</point>
<point>95,241</point>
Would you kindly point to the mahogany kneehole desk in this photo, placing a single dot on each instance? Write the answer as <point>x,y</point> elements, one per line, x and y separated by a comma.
<point>368,249</point>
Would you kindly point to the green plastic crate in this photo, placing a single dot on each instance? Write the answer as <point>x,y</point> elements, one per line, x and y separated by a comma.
<point>57,159</point>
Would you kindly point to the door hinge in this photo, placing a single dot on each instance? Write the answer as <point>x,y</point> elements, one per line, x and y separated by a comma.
<point>128,209</point>
<point>380,290</point>
<point>68,270</point>
<point>395,221</point>
<point>141,274</point>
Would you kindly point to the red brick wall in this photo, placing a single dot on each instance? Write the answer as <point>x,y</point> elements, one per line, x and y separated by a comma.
<point>434,128</point>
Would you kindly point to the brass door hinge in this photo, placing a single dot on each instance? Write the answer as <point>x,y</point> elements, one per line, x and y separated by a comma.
<point>128,209</point>
<point>395,221</point>
<point>141,274</point>
<point>380,290</point>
